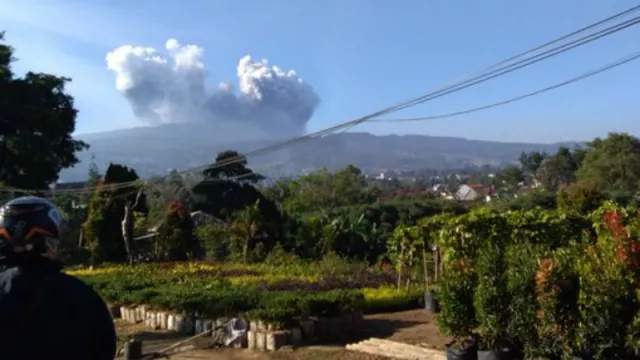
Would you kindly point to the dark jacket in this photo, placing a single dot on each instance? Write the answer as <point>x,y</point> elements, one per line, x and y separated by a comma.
<point>66,321</point>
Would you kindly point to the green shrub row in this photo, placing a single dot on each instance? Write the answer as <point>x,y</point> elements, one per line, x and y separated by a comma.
<point>542,282</point>
<point>216,297</point>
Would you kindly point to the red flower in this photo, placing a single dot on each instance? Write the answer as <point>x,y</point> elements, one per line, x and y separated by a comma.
<point>628,249</point>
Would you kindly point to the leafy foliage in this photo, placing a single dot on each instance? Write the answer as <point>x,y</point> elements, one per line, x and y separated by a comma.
<point>217,290</point>
<point>37,120</point>
<point>105,213</point>
<point>543,282</point>
<point>175,239</point>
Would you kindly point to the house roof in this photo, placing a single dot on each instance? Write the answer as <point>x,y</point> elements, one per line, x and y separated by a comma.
<point>482,189</point>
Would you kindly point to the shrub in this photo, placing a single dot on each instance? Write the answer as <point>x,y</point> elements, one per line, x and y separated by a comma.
<point>608,302</point>
<point>214,239</point>
<point>582,197</point>
<point>491,298</point>
<point>194,287</point>
<point>390,299</point>
<point>557,317</point>
<point>457,316</point>
<point>521,276</point>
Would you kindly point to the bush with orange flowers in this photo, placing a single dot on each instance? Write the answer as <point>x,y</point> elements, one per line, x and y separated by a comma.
<point>608,283</point>
<point>557,299</point>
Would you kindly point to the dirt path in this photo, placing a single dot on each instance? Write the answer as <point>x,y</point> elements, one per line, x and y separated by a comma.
<point>412,327</point>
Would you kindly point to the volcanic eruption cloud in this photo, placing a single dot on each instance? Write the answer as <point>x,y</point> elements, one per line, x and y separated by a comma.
<point>169,87</point>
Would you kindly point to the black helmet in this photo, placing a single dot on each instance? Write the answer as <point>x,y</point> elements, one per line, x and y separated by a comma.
<point>29,223</point>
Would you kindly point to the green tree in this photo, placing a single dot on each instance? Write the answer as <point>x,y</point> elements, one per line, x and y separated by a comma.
<point>37,119</point>
<point>324,189</point>
<point>279,192</point>
<point>214,238</point>
<point>559,170</point>
<point>612,164</point>
<point>94,173</point>
<point>93,179</point>
<point>176,240</point>
<point>232,165</point>
<point>97,229</point>
<point>229,187</point>
<point>531,162</point>
<point>247,228</point>
<point>106,211</point>
<point>512,176</point>
<point>582,196</point>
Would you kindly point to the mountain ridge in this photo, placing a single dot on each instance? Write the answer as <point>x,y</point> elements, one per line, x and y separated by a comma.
<point>156,150</point>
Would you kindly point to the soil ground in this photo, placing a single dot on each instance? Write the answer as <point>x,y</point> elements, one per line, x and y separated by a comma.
<point>416,327</point>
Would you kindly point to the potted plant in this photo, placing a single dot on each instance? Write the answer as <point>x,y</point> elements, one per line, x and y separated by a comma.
<point>557,299</point>
<point>521,280</point>
<point>491,302</point>
<point>430,297</point>
<point>430,228</point>
<point>457,314</point>
<point>607,299</point>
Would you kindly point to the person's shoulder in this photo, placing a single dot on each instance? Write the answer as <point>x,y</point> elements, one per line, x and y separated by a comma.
<point>77,292</point>
<point>74,283</point>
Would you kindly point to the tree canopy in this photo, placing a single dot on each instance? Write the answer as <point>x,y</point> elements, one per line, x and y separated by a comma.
<point>324,189</point>
<point>613,163</point>
<point>37,120</point>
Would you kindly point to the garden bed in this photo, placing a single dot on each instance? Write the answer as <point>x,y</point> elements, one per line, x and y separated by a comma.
<point>261,335</point>
<point>284,309</point>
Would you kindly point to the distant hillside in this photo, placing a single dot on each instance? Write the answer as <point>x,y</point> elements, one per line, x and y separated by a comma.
<point>156,150</point>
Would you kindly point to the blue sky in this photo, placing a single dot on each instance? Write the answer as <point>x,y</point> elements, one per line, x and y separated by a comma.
<point>359,55</point>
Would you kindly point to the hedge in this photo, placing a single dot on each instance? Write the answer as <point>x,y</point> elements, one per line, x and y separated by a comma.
<point>549,283</point>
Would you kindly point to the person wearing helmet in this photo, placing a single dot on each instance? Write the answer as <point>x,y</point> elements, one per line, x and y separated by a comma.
<point>45,313</point>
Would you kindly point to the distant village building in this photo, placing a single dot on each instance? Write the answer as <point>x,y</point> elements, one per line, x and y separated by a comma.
<point>474,192</point>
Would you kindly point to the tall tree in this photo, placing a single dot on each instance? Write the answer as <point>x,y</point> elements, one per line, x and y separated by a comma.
<point>175,239</point>
<point>613,164</point>
<point>512,176</point>
<point>531,162</point>
<point>247,226</point>
<point>559,170</point>
<point>227,186</point>
<point>324,189</point>
<point>37,119</point>
<point>232,165</point>
<point>107,209</point>
<point>94,175</point>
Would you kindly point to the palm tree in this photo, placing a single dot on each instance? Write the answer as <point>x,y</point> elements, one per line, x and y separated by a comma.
<point>247,226</point>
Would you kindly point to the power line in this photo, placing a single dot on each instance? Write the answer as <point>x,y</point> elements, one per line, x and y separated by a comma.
<point>584,76</point>
<point>523,63</point>
<point>253,173</point>
<point>564,37</point>
<point>447,90</point>
<point>581,77</point>
<point>529,61</point>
